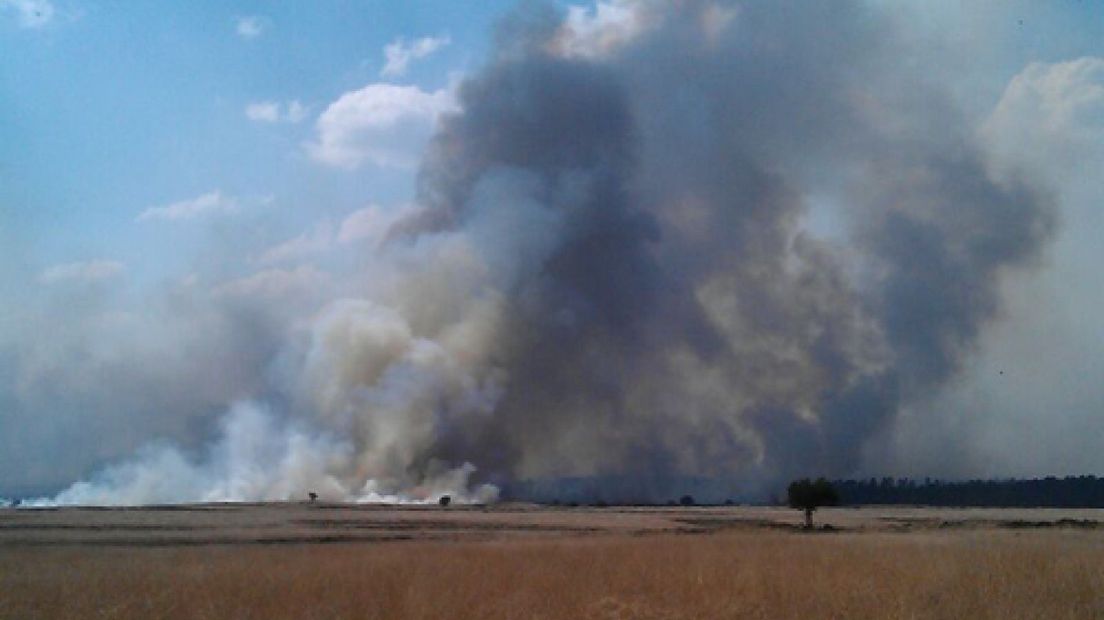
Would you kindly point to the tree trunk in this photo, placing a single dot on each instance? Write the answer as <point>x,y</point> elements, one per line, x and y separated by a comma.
<point>809,518</point>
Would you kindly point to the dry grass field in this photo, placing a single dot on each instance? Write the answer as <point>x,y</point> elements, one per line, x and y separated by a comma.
<point>296,561</point>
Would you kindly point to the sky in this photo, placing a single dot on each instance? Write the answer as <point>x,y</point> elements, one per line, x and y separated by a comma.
<point>112,108</point>
<point>194,197</point>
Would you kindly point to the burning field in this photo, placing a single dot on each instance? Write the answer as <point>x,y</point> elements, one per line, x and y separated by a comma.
<point>523,561</point>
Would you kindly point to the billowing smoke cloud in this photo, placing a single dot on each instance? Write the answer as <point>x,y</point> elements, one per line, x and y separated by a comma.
<point>684,320</point>
<point>615,270</point>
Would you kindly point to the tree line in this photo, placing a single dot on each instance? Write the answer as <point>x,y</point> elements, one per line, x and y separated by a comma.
<point>1050,492</point>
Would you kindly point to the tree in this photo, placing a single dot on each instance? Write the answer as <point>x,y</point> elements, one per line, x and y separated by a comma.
<point>808,495</point>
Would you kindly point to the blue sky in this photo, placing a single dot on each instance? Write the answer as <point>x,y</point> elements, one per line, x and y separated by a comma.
<point>111,108</point>
<point>159,158</point>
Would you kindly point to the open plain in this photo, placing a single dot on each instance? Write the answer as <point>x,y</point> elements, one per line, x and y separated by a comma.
<point>322,560</point>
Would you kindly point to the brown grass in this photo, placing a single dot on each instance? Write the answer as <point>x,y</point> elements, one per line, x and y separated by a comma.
<point>749,574</point>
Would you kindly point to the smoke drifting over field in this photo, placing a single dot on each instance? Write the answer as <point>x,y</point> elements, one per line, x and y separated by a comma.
<point>700,239</point>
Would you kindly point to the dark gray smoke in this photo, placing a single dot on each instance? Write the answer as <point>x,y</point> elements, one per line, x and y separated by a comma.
<point>684,320</point>
<point>703,240</point>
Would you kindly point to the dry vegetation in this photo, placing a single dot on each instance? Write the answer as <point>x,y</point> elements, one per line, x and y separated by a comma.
<point>746,572</point>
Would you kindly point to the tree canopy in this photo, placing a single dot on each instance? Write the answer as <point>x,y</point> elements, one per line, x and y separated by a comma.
<point>808,495</point>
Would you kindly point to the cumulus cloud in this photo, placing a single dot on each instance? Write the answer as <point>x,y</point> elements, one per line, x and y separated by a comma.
<point>275,112</point>
<point>381,124</point>
<point>264,111</point>
<point>84,272</point>
<point>1048,111</point>
<point>282,285</point>
<point>30,13</point>
<point>295,112</point>
<point>368,224</point>
<point>400,53</point>
<point>310,243</point>
<point>591,32</point>
<point>211,203</point>
<point>250,26</point>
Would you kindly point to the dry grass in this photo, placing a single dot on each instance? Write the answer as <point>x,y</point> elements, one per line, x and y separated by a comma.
<point>751,574</point>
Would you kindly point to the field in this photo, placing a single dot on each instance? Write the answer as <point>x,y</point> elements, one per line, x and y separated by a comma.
<point>517,561</point>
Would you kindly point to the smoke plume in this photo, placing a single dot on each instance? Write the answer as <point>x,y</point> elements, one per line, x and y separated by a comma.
<point>671,240</point>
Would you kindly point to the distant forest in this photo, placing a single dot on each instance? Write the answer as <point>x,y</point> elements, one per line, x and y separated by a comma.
<point>1068,492</point>
<point>1051,492</point>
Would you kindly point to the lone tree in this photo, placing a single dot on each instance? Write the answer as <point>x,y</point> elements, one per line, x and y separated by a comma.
<point>808,495</point>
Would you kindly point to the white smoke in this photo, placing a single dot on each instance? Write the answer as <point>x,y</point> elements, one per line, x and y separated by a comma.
<point>257,458</point>
<point>359,392</point>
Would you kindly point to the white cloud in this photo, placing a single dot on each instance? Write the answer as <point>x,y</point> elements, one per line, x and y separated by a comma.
<point>210,203</point>
<point>1050,113</point>
<point>250,26</point>
<point>274,112</point>
<point>30,13</point>
<point>85,272</point>
<point>299,284</point>
<point>383,124</point>
<point>369,223</point>
<point>715,20</point>
<point>400,53</point>
<point>307,244</point>
<point>263,111</point>
<point>295,112</point>
<point>601,30</point>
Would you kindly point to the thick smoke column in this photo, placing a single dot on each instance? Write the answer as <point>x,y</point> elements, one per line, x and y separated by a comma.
<point>681,319</point>
<point>611,270</point>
